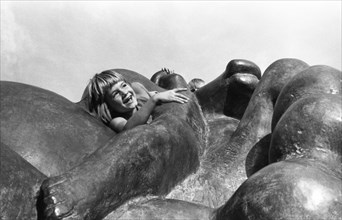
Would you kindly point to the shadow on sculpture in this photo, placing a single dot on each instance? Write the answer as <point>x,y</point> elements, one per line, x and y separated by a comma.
<point>191,160</point>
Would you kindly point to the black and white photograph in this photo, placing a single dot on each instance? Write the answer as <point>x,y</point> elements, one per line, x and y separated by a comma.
<point>171,110</point>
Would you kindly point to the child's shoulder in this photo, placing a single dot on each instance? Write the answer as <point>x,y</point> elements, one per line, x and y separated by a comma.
<point>138,85</point>
<point>140,89</point>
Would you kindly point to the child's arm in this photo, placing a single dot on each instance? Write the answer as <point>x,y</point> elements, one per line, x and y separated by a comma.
<point>140,117</point>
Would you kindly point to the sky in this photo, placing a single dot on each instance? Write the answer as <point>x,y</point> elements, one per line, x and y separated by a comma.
<point>60,45</point>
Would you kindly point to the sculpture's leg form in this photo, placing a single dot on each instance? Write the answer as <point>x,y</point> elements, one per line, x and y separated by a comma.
<point>256,122</point>
<point>257,157</point>
<point>304,178</point>
<point>219,100</point>
<point>316,128</point>
<point>294,172</point>
<point>230,157</point>
<point>230,93</point>
<point>47,130</point>
<point>314,81</point>
<point>223,163</point>
<point>148,159</point>
<point>292,189</point>
<point>19,185</point>
<point>159,209</point>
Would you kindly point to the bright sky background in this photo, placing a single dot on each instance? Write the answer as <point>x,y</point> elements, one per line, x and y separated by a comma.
<point>60,45</point>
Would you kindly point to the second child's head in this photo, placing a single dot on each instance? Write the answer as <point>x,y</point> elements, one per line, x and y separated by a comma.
<point>110,95</point>
<point>195,84</point>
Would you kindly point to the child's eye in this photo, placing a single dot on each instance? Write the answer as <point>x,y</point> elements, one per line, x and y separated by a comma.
<point>114,94</point>
<point>124,84</point>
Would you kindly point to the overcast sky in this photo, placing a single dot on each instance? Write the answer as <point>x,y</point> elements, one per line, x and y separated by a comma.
<point>60,45</point>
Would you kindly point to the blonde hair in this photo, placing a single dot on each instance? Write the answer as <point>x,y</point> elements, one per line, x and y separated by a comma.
<point>97,88</point>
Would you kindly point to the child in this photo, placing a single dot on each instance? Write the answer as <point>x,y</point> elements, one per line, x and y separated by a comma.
<point>195,84</point>
<point>122,105</point>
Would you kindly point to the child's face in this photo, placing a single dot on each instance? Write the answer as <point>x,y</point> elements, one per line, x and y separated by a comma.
<point>121,97</point>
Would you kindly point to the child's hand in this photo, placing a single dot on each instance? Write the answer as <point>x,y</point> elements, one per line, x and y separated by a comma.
<point>172,96</point>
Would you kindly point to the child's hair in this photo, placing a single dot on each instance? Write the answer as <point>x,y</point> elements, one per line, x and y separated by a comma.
<point>97,88</point>
<point>195,83</point>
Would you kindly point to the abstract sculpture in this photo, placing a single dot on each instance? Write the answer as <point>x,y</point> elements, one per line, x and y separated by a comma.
<point>240,149</point>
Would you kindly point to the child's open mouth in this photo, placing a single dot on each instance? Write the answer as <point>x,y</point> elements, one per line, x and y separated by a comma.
<point>127,98</point>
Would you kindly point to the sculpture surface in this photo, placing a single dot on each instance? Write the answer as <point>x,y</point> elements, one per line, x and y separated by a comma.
<point>240,149</point>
